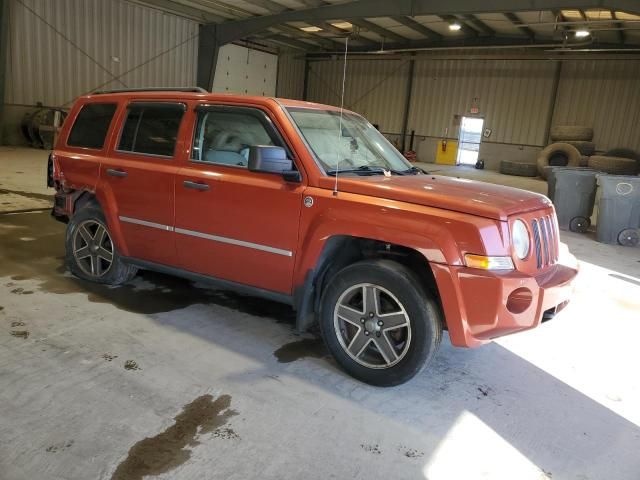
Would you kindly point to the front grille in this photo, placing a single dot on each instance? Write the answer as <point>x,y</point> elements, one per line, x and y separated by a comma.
<point>545,240</point>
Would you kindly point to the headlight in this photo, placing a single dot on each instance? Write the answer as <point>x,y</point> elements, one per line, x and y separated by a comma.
<point>520,239</point>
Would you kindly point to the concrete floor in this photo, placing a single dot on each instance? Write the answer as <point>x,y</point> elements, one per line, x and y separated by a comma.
<point>169,379</point>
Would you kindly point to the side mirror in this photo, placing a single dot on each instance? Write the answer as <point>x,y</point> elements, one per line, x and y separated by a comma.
<point>272,159</point>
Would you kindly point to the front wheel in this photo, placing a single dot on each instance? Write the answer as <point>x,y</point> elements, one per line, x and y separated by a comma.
<point>379,323</point>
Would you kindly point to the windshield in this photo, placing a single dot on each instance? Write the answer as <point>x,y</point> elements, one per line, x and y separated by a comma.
<point>357,147</point>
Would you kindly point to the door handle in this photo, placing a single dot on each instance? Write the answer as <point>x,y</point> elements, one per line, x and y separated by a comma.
<point>195,185</point>
<point>116,173</point>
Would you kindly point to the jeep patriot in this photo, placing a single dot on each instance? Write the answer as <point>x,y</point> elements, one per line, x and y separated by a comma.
<point>308,205</point>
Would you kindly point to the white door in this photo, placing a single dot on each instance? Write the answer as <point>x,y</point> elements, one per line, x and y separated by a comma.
<point>245,71</point>
<point>469,140</point>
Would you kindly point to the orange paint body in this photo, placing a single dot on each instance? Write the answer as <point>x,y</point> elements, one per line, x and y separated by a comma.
<point>441,218</point>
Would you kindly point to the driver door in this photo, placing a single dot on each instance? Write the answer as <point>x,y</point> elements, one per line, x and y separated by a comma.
<point>231,223</point>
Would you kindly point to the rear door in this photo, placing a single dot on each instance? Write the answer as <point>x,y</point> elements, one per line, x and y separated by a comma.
<point>232,223</point>
<point>138,175</point>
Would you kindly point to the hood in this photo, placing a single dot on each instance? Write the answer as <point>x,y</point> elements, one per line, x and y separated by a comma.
<point>458,194</point>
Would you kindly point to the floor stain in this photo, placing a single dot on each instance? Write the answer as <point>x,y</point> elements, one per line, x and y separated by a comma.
<point>374,449</point>
<point>43,260</point>
<point>32,195</point>
<point>309,347</point>
<point>21,291</point>
<point>24,334</point>
<point>17,324</point>
<point>130,365</point>
<point>108,357</point>
<point>225,434</point>
<point>168,450</point>
<point>410,452</point>
<point>60,447</point>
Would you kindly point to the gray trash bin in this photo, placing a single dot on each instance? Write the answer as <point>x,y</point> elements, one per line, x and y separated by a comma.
<point>551,177</point>
<point>619,210</point>
<point>573,192</point>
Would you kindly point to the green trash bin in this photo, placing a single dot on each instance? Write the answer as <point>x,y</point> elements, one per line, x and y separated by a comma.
<point>619,210</point>
<point>573,193</point>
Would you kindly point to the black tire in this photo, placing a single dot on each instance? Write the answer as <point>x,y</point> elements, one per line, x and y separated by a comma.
<point>629,237</point>
<point>117,272</point>
<point>585,148</point>
<point>623,153</point>
<point>561,133</point>
<point>579,224</point>
<point>518,169</point>
<point>558,155</point>
<point>613,165</point>
<point>425,321</point>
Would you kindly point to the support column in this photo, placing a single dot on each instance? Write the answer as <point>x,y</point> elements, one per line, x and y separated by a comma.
<point>4,50</point>
<point>407,103</point>
<point>208,47</point>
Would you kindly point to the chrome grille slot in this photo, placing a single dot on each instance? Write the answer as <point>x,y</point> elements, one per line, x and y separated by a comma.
<point>545,242</point>
<point>536,240</point>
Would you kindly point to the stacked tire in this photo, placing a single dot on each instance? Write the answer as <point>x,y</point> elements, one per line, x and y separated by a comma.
<point>619,161</point>
<point>571,147</point>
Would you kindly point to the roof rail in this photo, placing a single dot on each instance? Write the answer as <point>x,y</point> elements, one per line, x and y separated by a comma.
<point>152,89</point>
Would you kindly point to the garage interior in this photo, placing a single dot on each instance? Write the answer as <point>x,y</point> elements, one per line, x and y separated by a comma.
<point>166,378</point>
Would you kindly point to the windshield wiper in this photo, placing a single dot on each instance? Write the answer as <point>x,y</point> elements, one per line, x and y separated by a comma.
<point>361,170</point>
<point>413,171</point>
<point>366,170</point>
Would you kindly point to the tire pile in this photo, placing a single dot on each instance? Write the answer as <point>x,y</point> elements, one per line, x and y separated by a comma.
<point>573,147</point>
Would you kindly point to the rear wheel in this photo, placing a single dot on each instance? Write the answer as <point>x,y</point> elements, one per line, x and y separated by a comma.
<point>379,323</point>
<point>90,251</point>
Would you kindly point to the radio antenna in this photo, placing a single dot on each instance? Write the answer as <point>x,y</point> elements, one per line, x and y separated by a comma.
<point>344,79</point>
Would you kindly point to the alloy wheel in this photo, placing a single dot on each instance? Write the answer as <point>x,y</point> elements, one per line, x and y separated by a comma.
<point>93,248</point>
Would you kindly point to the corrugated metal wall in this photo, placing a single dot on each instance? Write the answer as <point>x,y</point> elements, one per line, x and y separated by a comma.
<point>61,49</point>
<point>604,94</point>
<point>290,82</point>
<point>513,96</point>
<point>374,88</point>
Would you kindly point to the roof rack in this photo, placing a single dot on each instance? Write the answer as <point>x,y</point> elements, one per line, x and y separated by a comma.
<point>152,89</point>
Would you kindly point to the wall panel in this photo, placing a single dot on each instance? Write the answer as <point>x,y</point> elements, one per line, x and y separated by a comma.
<point>60,49</point>
<point>604,94</point>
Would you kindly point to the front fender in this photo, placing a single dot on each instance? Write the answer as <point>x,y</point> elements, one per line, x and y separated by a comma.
<point>441,236</point>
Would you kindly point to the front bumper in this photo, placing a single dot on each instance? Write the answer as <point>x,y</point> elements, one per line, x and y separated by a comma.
<point>481,305</point>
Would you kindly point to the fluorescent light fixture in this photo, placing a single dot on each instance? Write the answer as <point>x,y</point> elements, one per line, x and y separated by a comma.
<point>311,29</point>
<point>455,26</point>
<point>343,25</point>
<point>582,33</point>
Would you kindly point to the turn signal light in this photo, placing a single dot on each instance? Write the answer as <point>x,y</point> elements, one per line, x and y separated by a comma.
<point>488,263</point>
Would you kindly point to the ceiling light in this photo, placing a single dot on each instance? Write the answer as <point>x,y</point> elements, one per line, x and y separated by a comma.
<point>455,26</point>
<point>582,33</point>
<point>311,29</point>
<point>343,25</point>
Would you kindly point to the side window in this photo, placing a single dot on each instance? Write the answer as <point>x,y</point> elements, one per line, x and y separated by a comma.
<point>151,128</point>
<point>223,135</point>
<point>91,125</point>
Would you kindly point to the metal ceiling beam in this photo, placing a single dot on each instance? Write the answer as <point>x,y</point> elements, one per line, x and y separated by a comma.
<point>182,10</point>
<point>622,38</point>
<point>383,32</point>
<point>234,30</point>
<point>478,24</point>
<point>513,18</point>
<point>417,27</point>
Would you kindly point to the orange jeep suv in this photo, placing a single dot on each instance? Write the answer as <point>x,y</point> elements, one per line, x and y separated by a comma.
<point>308,205</point>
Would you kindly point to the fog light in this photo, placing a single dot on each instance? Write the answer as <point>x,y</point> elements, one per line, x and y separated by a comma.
<point>519,300</point>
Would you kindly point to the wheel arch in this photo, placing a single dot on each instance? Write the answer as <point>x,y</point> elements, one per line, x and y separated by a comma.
<point>338,252</point>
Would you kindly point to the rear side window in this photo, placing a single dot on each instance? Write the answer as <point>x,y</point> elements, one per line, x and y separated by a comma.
<point>151,128</point>
<point>91,125</point>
